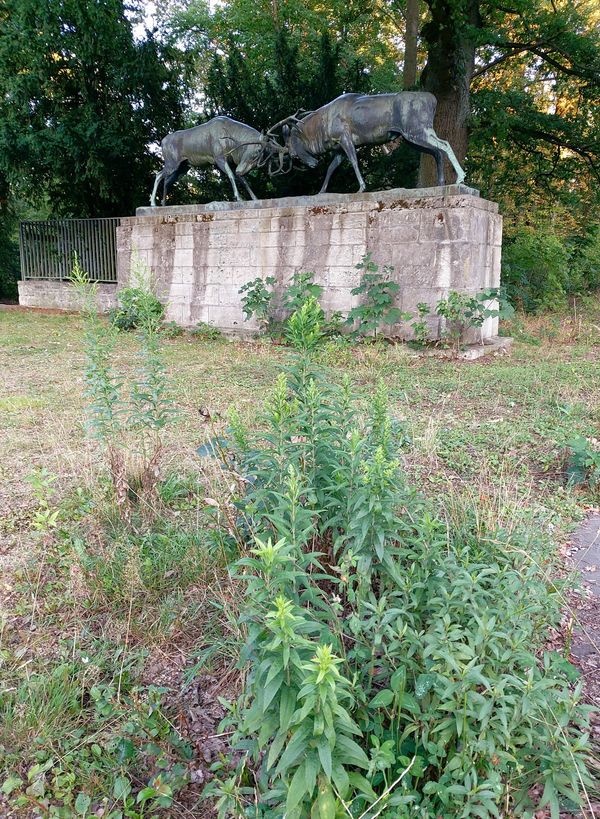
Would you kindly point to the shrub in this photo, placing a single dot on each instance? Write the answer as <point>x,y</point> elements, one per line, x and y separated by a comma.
<point>535,270</point>
<point>299,290</point>
<point>137,308</point>
<point>256,300</point>
<point>170,329</point>
<point>584,253</point>
<point>390,660</point>
<point>583,461</point>
<point>378,292</point>
<point>420,326</point>
<point>206,332</point>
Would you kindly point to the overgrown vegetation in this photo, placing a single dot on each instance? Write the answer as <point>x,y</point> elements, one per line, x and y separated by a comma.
<point>378,292</point>
<point>139,308</point>
<point>383,604</point>
<point>390,660</point>
<point>127,416</point>
<point>377,309</point>
<point>540,269</point>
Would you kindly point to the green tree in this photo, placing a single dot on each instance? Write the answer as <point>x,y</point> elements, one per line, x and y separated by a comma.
<point>80,102</point>
<point>515,66</point>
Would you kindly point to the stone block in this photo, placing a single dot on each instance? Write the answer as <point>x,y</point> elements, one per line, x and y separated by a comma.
<point>59,295</point>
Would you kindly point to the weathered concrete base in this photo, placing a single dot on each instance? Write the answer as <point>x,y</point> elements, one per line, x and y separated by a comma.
<point>435,239</point>
<point>58,295</point>
<point>495,345</point>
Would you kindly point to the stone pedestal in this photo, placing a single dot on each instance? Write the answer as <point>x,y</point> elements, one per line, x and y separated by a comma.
<point>435,239</point>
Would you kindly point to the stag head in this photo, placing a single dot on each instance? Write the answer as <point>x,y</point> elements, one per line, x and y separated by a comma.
<point>292,148</point>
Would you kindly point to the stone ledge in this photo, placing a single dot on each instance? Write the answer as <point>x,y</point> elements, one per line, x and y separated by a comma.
<point>60,295</point>
<point>406,197</point>
<point>492,346</point>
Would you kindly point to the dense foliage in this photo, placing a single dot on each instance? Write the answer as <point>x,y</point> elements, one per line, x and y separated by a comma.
<point>81,100</point>
<point>390,655</point>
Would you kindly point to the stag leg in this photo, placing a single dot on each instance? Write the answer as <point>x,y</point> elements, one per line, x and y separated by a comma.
<point>223,165</point>
<point>247,186</point>
<point>335,163</point>
<point>159,177</point>
<point>425,147</point>
<point>348,146</point>
<point>430,143</point>
<point>446,149</point>
<point>172,177</point>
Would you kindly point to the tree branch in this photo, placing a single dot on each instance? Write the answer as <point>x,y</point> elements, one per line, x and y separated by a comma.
<point>581,151</point>
<point>484,69</point>
<point>539,49</point>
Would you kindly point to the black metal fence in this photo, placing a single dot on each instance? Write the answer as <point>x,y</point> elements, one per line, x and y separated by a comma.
<point>48,248</point>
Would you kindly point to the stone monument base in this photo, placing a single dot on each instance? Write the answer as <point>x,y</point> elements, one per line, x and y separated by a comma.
<point>435,239</point>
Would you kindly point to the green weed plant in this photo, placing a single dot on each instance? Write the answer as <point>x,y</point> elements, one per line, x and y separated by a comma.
<point>393,664</point>
<point>378,292</point>
<point>127,415</point>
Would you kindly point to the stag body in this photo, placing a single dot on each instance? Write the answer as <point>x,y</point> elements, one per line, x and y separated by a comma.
<point>355,119</point>
<point>217,142</point>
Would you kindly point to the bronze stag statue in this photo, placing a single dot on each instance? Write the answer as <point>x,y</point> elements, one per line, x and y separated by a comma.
<point>220,141</point>
<point>355,119</point>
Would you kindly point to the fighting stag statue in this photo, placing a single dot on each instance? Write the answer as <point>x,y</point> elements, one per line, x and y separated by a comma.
<point>218,142</point>
<point>355,119</point>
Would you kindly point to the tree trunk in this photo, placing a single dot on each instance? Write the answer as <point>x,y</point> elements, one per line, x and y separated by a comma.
<point>447,75</point>
<point>413,13</point>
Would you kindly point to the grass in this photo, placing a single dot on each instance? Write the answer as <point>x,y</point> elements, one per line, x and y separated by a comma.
<point>495,429</point>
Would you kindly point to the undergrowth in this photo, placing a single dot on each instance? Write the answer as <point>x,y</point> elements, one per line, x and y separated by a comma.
<point>393,664</point>
<point>390,648</point>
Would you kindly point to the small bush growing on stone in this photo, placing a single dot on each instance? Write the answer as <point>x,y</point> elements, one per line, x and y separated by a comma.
<point>378,292</point>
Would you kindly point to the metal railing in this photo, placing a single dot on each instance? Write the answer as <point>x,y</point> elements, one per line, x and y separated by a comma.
<point>48,248</point>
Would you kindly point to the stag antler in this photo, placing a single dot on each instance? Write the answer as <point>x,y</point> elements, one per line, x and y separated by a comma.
<point>297,117</point>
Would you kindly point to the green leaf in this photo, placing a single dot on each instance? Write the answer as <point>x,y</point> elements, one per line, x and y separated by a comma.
<point>382,699</point>
<point>121,788</point>
<point>362,784</point>
<point>424,683</point>
<point>324,751</point>
<point>82,803</point>
<point>287,705</point>
<point>297,789</point>
<point>125,750</point>
<point>145,794</point>
<point>324,805</point>
<point>349,753</point>
<point>10,784</point>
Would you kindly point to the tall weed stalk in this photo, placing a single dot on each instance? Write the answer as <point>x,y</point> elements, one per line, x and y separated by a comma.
<point>126,415</point>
